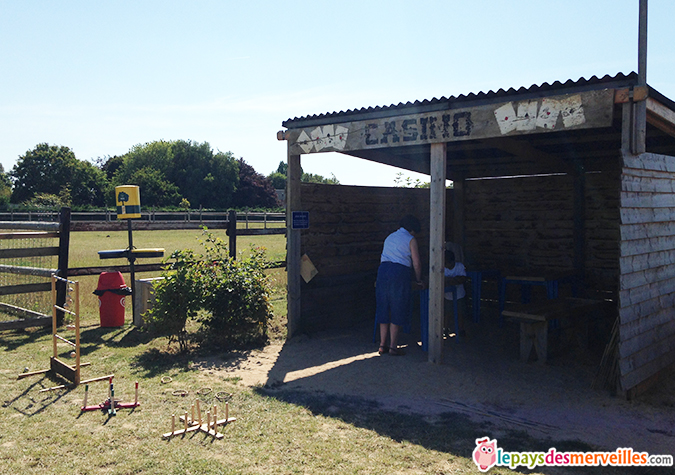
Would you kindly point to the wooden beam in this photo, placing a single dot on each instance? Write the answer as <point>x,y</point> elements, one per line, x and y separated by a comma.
<point>584,110</point>
<point>29,235</point>
<point>24,288</point>
<point>78,271</point>
<point>437,210</point>
<point>26,323</point>
<point>293,256</point>
<point>44,226</point>
<point>29,252</point>
<point>626,121</point>
<point>661,117</point>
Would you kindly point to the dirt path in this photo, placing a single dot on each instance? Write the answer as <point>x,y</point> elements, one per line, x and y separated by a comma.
<point>483,380</point>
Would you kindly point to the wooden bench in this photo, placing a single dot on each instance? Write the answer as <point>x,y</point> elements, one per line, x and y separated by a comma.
<point>534,322</point>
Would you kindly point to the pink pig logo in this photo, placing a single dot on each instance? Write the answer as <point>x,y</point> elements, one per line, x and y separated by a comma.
<point>485,453</point>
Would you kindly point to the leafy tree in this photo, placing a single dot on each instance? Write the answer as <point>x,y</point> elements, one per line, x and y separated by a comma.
<point>407,182</point>
<point>88,186</point>
<point>279,177</point>
<point>50,168</point>
<point>5,188</point>
<point>201,176</point>
<point>45,200</point>
<point>312,178</point>
<point>278,180</point>
<point>156,190</point>
<point>110,165</point>
<point>254,189</point>
<point>282,168</point>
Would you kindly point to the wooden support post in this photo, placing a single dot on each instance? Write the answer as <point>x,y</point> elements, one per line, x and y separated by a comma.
<point>458,212</point>
<point>293,203</point>
<point>436,251</point>
<point>64,245</point>
<point>579,187</point>
<point>639,132</point>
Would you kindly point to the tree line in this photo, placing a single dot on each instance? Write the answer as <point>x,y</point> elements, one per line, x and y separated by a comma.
<point>171,174</point>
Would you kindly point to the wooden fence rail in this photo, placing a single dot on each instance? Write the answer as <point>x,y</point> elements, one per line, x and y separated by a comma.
<point>107,220</point>
<point>63,228</point>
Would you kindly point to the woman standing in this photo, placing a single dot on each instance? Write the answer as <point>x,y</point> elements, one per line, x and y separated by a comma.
<point>392,293</point>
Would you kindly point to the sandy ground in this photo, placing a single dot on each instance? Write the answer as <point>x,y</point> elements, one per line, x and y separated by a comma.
<point>480,377</point>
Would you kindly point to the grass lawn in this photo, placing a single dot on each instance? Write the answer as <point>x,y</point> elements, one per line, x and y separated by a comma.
<point>45,433</point>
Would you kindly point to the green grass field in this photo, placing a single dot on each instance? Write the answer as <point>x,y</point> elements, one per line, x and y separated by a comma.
<point>84,247</point>
<point>275,432</point>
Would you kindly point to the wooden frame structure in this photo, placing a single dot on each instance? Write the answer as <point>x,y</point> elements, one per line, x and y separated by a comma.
<point>56,365</point>
<point>587,133</point>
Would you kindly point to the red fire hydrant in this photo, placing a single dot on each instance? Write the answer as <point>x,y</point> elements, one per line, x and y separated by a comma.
<point>111,292</point>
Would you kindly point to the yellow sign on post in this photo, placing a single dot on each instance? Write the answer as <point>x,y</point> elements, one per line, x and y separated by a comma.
<point>128,199</point>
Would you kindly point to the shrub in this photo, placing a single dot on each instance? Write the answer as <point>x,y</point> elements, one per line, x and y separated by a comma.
<point>237,302</point>
<point>229,298</point>
<point>178,297</point>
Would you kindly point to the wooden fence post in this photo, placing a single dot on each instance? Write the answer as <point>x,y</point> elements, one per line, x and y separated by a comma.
<point>64,244</point>
<point>232,232</point>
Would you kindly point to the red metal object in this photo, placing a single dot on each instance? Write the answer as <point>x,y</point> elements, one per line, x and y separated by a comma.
<point>111,291</point>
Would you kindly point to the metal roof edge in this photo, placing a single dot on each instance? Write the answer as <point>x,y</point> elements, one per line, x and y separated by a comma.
<point>620,80</point>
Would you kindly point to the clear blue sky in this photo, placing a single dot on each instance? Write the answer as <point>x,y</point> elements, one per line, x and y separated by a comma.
<point>101,77</point>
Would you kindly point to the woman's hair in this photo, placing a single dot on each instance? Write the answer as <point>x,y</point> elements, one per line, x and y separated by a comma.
<point>411,224</point>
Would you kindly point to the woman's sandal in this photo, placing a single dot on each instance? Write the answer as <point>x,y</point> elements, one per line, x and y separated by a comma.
<point>383,349</point>
<point>396,352</point>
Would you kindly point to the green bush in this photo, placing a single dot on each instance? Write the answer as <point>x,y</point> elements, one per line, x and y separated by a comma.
<point>229,298</point>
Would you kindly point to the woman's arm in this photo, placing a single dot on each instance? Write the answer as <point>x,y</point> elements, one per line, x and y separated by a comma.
<point>417,265</point>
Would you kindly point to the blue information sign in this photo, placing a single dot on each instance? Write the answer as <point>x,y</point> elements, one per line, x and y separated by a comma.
<point>300,220</point>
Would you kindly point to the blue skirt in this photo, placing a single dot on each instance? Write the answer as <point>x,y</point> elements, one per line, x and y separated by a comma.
<point>392,295</point>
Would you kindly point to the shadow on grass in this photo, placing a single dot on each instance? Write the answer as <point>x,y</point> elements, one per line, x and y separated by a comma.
<point>29,404</point>
<point>120,337</point>
<point>154,362</point>
<point>451,433</point>
<point>12,339</point>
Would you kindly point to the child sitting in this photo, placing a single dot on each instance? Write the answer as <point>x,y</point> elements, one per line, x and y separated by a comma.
<point>455,275</point>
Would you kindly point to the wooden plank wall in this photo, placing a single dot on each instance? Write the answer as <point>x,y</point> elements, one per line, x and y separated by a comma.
<point>647,270</point>
<point>602,232</point>
<point>518,225</point>
<point>348,225</point>
<point>511,224</point>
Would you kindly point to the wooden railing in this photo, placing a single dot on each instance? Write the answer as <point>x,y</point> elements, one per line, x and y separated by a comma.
<point>246,219</point>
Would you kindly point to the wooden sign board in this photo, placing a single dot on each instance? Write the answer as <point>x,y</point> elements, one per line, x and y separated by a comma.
<point>585,110</point>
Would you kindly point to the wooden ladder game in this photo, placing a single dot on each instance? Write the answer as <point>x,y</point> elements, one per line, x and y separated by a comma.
<point>58,367</point>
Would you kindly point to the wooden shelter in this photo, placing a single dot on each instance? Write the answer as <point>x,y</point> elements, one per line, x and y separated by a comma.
<point>575,177</point>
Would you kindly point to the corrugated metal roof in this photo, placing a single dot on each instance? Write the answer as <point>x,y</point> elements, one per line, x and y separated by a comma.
<point>568,87</point>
